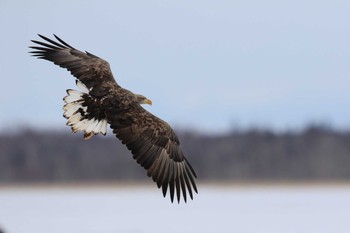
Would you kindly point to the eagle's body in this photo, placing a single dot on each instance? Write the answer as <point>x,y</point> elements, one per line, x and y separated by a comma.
<point>102,101</point>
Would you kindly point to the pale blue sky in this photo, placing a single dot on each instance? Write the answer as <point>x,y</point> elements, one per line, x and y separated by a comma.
<point>206,65</point>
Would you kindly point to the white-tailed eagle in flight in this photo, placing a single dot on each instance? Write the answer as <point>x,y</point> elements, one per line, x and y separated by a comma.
<point>101,102</point>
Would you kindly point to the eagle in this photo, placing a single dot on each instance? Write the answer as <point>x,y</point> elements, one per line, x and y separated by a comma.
<point>101,101</point>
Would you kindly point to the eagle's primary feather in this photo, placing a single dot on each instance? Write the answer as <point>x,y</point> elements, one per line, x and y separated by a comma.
<point>102,101</point>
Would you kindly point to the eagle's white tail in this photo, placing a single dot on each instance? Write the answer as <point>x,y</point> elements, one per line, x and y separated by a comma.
<point>76,110</point>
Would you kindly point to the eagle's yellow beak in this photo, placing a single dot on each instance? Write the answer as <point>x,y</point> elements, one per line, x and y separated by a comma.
<point>148,101</point>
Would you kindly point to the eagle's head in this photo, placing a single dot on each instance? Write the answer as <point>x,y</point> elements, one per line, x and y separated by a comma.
<point>142,99</point>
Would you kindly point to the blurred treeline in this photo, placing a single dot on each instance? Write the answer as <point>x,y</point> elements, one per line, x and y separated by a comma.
<point>315,153</point>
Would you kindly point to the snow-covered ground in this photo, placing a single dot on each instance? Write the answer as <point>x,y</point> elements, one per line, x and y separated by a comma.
<point>134,209</point>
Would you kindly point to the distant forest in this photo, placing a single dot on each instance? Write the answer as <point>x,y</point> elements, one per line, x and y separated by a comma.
<point>315,153</point>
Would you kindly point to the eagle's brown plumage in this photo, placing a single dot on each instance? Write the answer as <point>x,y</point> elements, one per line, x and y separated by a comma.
<point>153,143</point>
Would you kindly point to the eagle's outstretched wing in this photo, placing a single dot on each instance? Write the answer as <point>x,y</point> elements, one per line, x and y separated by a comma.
<point>153,143</point>
<point>89,69</point>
